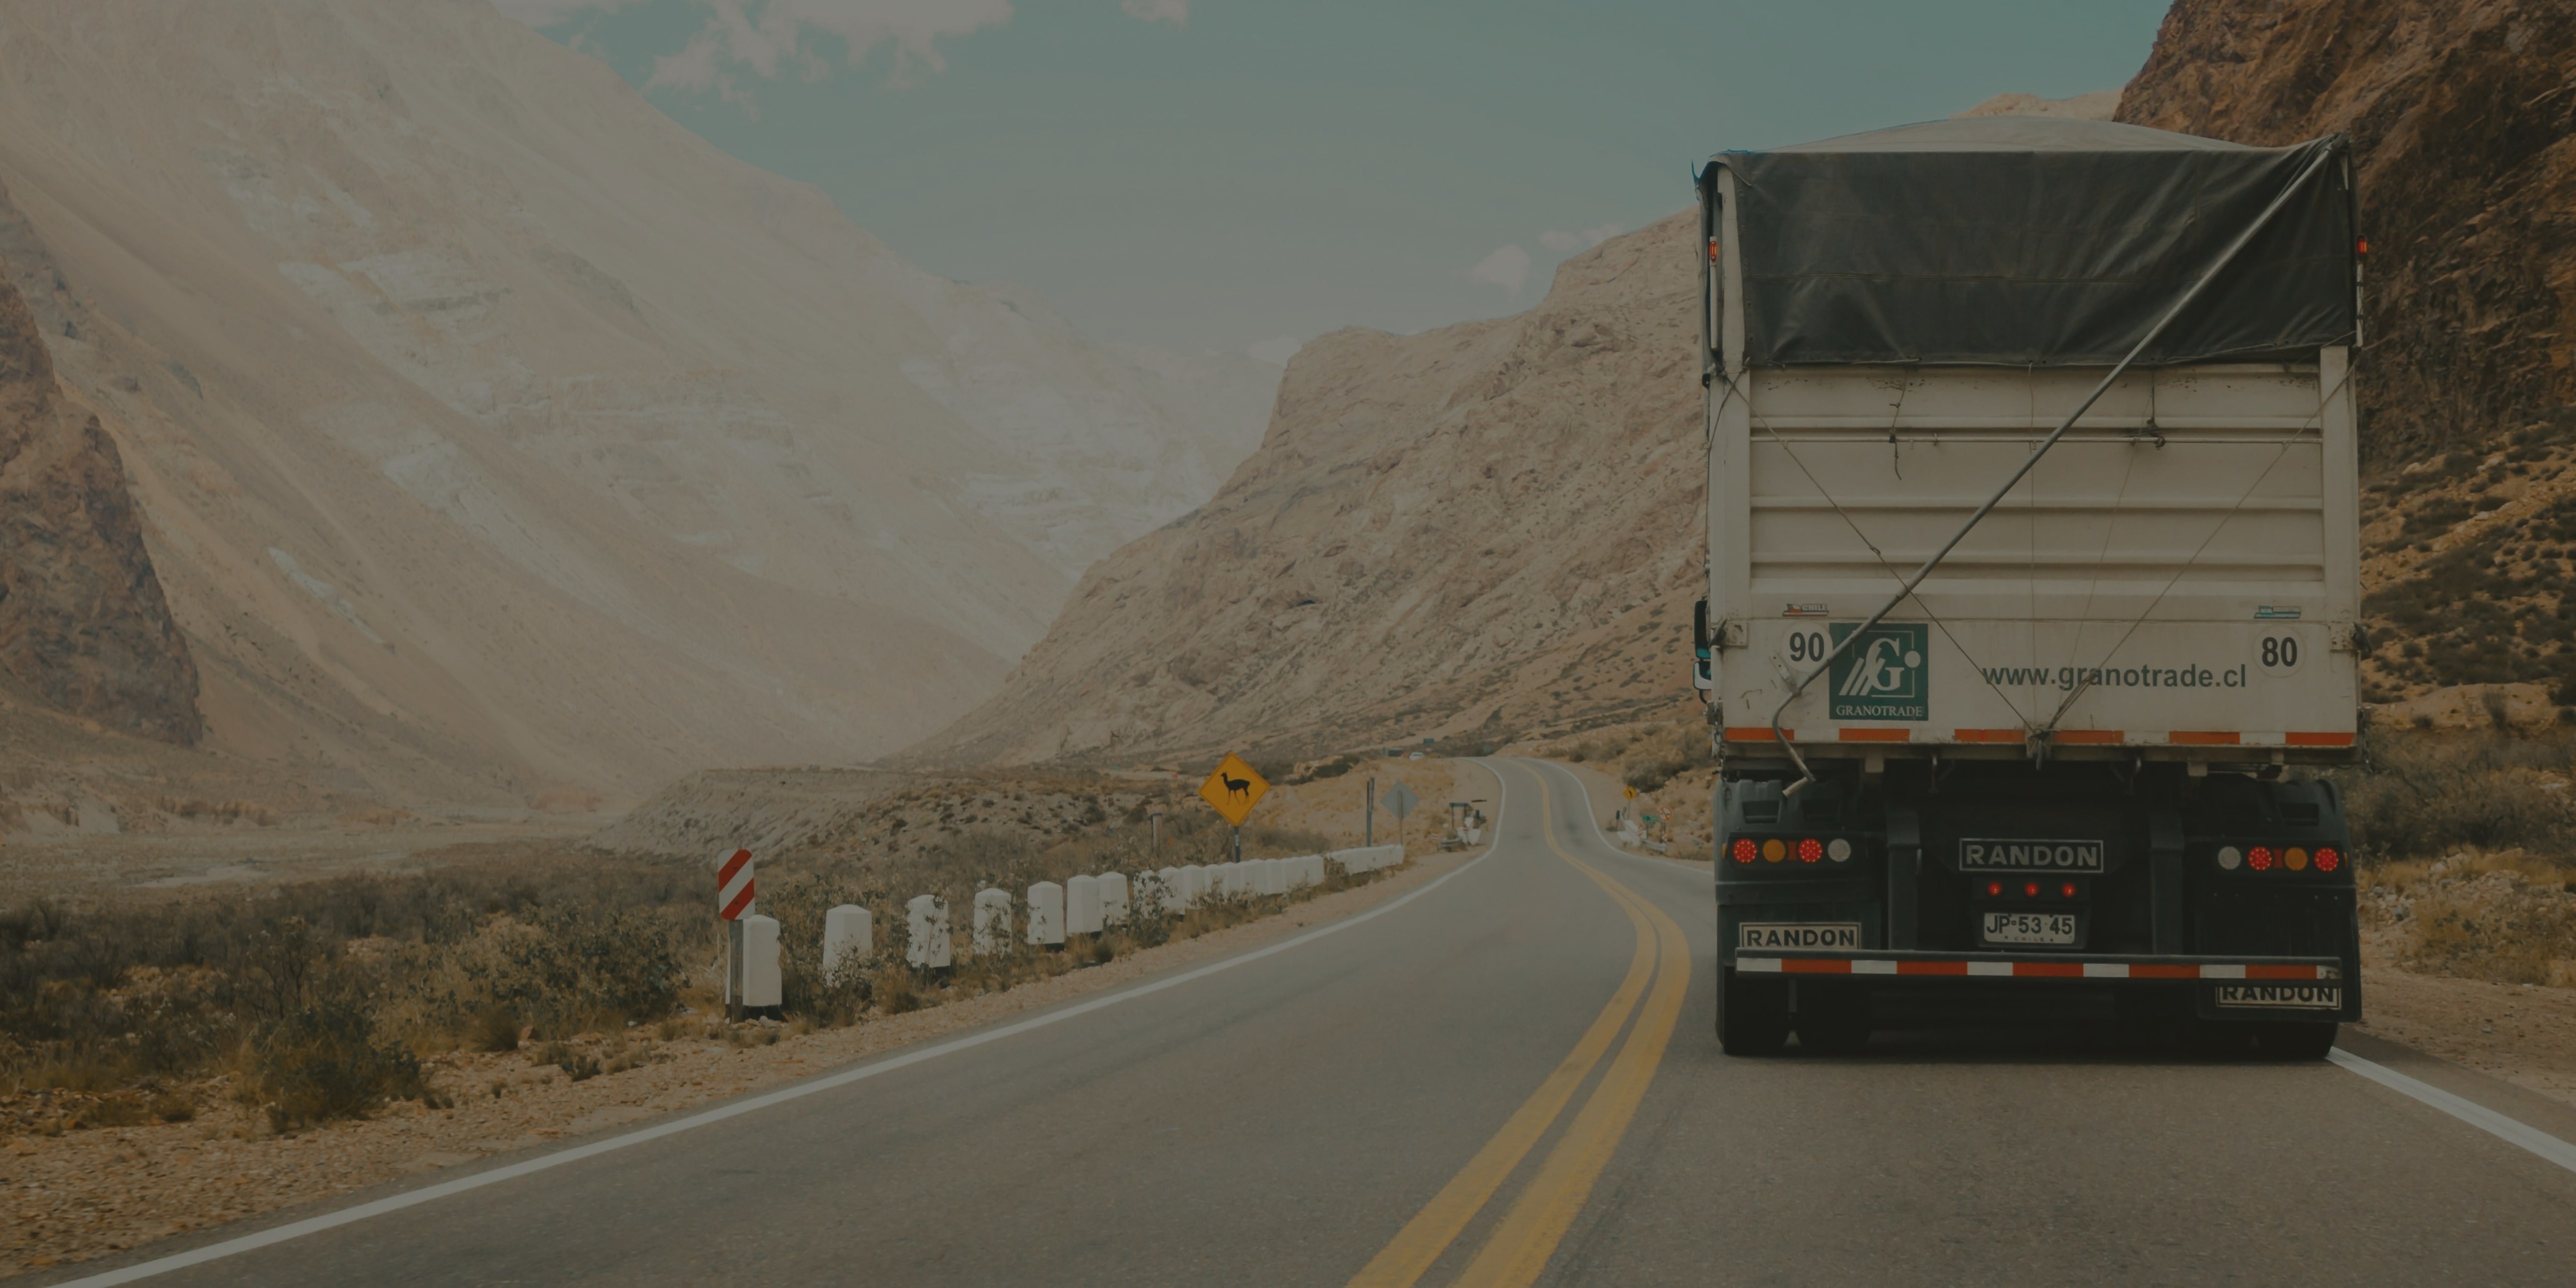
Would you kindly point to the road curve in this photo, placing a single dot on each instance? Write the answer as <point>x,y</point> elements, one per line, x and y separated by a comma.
<point>1509,1078</point>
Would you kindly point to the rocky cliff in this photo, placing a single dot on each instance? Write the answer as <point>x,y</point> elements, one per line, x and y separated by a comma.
<point>82,623</point>
<point>1462,532</point>
<point>2461,113</point>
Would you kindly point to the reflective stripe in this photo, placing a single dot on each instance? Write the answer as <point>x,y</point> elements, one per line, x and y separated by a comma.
<point>2318,739</point>
<point>2106,970</point>
<point>1754,733</point>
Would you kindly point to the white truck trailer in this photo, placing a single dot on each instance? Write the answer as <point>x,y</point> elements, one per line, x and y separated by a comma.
<point>2033,567</point>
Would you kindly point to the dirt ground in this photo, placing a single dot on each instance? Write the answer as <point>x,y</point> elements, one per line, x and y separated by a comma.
<point>86,1193</point>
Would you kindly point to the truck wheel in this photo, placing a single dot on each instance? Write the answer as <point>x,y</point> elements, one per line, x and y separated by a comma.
<point>1752,1015</point>
<point>1832,1020</point>
<point>2293,1040</point>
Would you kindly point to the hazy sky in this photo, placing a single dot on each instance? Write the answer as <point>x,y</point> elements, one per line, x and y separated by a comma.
<point>1209,174</point>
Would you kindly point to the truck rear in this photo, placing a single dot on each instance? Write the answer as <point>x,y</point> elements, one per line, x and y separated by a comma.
<point>2033,578</point>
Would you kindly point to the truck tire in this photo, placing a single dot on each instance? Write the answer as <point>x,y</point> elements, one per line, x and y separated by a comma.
<point>2293,1040</point>
<point>1832,1019</point>
<point>1752,1015</point>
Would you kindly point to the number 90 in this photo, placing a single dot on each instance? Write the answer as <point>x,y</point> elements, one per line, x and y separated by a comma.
<point>1807,646</point>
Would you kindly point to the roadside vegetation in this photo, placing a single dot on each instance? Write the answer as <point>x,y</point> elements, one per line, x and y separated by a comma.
<point>2468,845</point>
<point>329,999</point>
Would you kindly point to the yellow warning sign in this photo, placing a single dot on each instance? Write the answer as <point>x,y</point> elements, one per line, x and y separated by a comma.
<point>1632,793</point>
<point>1233,789</point>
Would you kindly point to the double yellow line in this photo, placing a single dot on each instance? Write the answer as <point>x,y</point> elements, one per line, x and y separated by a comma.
<point>1520,1245</point>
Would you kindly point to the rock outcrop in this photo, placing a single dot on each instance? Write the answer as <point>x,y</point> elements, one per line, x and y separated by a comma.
<point>1471,529</point>
<point>83,626</point>
<point>2461,113</point>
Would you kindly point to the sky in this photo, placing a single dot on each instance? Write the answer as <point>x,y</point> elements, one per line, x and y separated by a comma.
<point>1211,175</point>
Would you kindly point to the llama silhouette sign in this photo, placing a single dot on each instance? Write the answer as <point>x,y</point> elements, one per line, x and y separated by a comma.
<point>1233,789</point>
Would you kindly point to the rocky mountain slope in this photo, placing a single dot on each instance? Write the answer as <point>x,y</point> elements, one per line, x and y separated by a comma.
<point>1463,530</point>
<point>492,433</point>
<point>83,626</point>
<point>2462,116</point>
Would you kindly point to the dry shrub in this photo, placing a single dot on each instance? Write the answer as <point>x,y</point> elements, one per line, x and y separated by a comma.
<point>325,1061</point>
<point>2507,917</point>
<point>2428,794</point>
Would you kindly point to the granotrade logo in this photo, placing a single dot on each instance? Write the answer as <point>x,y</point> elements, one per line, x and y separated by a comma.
<point>1980,854</point>
<point>1884,675</point>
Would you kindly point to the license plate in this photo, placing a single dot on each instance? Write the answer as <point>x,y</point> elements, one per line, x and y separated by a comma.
<point>2030,928</point>
<point>2282,997</point>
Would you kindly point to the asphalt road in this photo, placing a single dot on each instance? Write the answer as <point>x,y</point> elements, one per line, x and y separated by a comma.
<point>1509,1077</point>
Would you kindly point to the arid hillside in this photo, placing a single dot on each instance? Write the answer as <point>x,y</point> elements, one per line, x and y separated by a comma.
<point>1464,530</point>
<point>491,434</point>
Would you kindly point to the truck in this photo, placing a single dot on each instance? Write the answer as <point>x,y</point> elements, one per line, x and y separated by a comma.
<point>2033,604</point>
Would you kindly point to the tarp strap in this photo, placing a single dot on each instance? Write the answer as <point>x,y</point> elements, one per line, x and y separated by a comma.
<point>1807,775</point>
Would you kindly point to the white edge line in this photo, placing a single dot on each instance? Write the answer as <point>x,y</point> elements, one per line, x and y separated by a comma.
<point>414,1198</point>
<point>2466,1110</point>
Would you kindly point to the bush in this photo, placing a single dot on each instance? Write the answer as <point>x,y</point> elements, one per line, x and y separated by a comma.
<point>321,1062</point>
<point>2427,794</point>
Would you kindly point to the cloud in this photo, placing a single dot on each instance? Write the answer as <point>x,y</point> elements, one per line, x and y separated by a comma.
<point>1175,12</point>
<point>546,13</point>
<point>1276,352</point>
<point>1565,243</point>
<point>767,38</point>
<point>1507,267</point>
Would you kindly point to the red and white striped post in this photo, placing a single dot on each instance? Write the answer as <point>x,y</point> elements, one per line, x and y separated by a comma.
<point>733,903</point>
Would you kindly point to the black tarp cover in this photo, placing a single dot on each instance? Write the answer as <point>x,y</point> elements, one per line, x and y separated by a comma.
<point>2035,241</point>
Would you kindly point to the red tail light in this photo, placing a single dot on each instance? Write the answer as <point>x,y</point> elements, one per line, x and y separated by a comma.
<point>2068,889</point>
<point>1994,889</point>
<point>2030,890</point>
<point>1810,850</point>
<point>1744,849</point>
<point>2259,858</point>
<point>2328,858</point>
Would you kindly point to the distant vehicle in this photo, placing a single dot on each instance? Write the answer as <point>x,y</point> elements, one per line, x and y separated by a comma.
<point>2034,575</point>
<point>1413,755</point>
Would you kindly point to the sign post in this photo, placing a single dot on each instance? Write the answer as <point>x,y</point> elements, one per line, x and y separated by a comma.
<point>1400,801</point>
<point>733,903</point>
<point>1368,813</point>
<point>1156,814</point>
<point>1233,789</point>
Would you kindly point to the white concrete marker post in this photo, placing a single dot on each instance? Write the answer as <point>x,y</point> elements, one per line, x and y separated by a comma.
<point>1173,885</point>
<point>1082,905</point>
<point>1271,877</point>
<point>1046,915</point>
<point>1194,884</point>
<point>992,921</point>
<point>926,923</point>
<point>1113,899</point>
<point>849,938</point>
<point>761,989</point>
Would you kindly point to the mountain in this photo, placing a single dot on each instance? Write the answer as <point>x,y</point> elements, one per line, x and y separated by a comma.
<point>491,433</point>
<point>1466,530</point>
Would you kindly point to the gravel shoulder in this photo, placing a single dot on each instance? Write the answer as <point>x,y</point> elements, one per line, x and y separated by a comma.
<point>87,1193</point>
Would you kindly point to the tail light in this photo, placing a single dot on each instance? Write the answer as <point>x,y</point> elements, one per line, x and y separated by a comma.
<point>1744,849</point>
<point>1994,889</point>
<point>1774,850</point>
<point>2030,890</point>
<point>2068,889</point>
<point>1839,850</point>
<point>2295,859</point>
<point>2230,858</point>
<point>2259,858</point>
<point>2328,858</point>
<point>1810,850</point>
